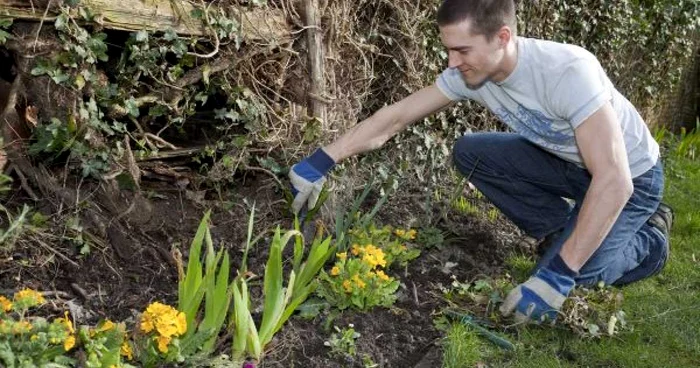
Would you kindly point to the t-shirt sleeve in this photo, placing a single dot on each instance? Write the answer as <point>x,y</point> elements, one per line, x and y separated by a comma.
<point>580,92</point>
<point>451,84</point>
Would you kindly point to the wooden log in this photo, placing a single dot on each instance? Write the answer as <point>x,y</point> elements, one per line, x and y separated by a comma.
<point>315,45</point>
<point>159,15</point>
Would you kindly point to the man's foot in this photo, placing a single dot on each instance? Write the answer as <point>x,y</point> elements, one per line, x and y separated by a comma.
<point>661,220</point>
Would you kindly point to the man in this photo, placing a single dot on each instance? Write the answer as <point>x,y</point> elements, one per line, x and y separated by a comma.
<point>575,137</point>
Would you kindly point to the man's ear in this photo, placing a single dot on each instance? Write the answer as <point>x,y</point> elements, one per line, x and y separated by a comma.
<point>504,35</point>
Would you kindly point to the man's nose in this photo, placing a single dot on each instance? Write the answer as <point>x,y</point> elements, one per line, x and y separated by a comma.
<point>453,60</point>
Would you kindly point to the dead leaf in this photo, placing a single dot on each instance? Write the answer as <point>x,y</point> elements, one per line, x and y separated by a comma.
<point>31,115</point>
<point>3,159</point>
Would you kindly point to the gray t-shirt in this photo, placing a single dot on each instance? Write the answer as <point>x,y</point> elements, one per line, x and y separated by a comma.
<point>552,90</point>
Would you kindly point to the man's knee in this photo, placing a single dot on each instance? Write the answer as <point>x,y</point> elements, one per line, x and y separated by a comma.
<point>463,153</point>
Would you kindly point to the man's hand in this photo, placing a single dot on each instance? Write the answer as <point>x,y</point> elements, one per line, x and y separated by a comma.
<point>540,298</point>
<point>307,178</point>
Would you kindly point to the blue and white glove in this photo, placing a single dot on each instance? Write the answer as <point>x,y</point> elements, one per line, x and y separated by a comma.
<point>540,298</point>
<point>307,178</point>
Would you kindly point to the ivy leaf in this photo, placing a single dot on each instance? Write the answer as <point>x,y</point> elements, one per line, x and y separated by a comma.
<point>4,36</point>
<point>141,36</point>
<point>225,114</point>
<point>197,13</point>
<point>79,82</point>
<point>206,72</point>
<point>131,107</point>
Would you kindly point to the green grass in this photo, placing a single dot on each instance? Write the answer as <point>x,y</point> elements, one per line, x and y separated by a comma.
<point>462,348</point>
<point>663,312</point>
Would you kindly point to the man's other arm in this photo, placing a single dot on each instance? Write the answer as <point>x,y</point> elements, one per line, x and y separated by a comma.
<point>602,147</point>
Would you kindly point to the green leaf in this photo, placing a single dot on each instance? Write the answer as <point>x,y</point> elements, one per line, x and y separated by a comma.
<point>4,36</point>
<point>141,36</point>
<point>79,81</point>
<point>190,292</point>
<point>131,107</point>
<point>206,72</point>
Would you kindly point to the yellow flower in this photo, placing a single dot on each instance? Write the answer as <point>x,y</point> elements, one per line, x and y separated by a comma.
<point>126,351</point>
<point>411,234</point>
<point>347,285</point>
<point>356,249</point>
<point>163,342</point>
<point>382,275</point>
<point>22,327</point>
<point>399,233</point>
<point>342,256</point>
<point>65,321</point>
<point>106,326</point>
<point>358,281</point>
<point>5,304</point>
<point>34,338</point>
<point>181,323</point>
<point>69,343</point>
<point>335,271</point>
<point>374,257</point>
<point>164,319</point>
<point>29,297</point>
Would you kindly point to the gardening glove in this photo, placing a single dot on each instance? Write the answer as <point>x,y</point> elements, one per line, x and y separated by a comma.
<point>307,178</point>
<point>540,298</point>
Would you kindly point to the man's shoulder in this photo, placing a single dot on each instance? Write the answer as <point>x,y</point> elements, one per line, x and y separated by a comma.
<point>555,55</point>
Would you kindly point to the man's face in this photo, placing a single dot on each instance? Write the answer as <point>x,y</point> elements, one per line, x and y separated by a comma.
<point>474,56</point>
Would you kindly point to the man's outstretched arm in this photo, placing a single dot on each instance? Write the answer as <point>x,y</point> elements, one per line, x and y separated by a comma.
<point>376,130</point>
<point>307,177</point>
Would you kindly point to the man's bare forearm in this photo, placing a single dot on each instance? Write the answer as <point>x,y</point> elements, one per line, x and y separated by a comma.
<point>373,132</point>
<point>368,135</point>
<point>604,201</point>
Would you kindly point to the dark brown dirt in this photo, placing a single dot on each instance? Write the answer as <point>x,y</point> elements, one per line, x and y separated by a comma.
<point>134,267</point>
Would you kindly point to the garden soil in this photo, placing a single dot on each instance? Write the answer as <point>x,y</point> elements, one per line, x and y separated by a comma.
<point>135,265</point>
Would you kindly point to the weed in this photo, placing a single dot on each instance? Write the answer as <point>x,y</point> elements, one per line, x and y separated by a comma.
<point>342,342</point>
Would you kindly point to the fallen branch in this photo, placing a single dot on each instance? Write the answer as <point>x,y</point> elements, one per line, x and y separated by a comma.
<point>257,24</point>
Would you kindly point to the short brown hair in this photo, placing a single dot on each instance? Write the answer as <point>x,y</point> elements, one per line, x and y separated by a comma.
<point>487,16</point>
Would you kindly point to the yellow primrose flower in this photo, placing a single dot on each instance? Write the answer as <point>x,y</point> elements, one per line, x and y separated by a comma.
<point>106,326</point>
<point>165,319</point>
<point>335,271</point>
<point>399,232</point>
<point>347,285</point>
<point>126,351</point>
<point>356,249</point>
<point>382,275</point>
<point>411,234</point>
<point>65,321</point>
<point>34,338</point>
<point>342,256</point>
<point>181,323</point>
<point>29,297</point>
<point>358,281</point>
<point>21,327</point>
<point>5,304</point>
<point>69,343</point>
<point>163,342</point>
<point>4,327</point>
<point>374,258</point>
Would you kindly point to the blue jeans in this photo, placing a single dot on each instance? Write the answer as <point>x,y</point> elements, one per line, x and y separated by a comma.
<point>529,184</point>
